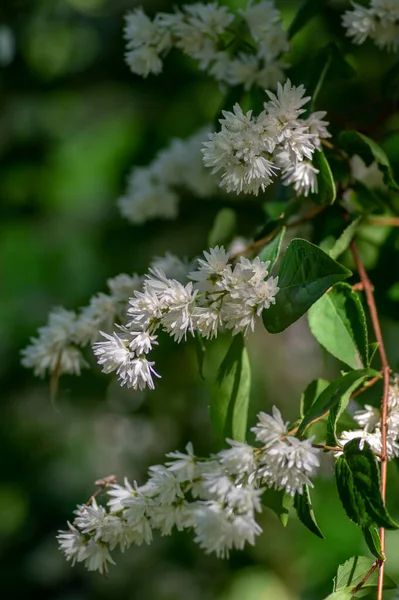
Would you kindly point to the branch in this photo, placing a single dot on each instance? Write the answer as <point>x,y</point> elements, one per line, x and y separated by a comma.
<point>369,291</point>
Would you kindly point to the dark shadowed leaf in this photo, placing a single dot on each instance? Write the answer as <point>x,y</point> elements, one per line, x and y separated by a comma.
<point>338,323</point>
<point>306,272</point>
<point>304,509</point>
<point>311,393</point>
<point>272,250</point>
<point>358,482</point>
<point>325,180</point>
<point>358,143</point>
<point>307,10</point>
<point>279,502</point>
<point>230,392</point>
<point>372,539</point>
<point>333,394</point>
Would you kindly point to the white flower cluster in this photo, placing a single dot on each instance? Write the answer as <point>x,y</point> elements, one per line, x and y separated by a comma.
<point>216,498</point>
<point>153,191</point>
<point>250,150</point>
<point>215,38</point>
<point>370,420</point>
<point>380,22</point>
<point>218,294</point>
<point>57,349</point>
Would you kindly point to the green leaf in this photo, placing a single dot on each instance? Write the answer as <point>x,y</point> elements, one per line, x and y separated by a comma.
<point>325,180</point>
<point>272,250</point>
<point>344,239</point>
<point>306,272</point>
<point>364,199</point>
<point>304,509</point>
<point>343,594</point>
<point>329,60</point>
<point>393,292</point>
<point>358,143</point>
<point>230,392</point>
<point>306,12</point>
<point>223,228</point>
<point>311,393</point>
<point>373,347</point>
<point>358,483</point>
<point>353,571</point>
<point>279,502</point>
<point>200,350</point>
<point>338,323</point>
<point>332,394</point>
<point>336,412</point>
<point>372,539</point>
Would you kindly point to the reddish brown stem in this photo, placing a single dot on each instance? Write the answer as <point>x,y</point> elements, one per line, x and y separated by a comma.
<point>369,291</point>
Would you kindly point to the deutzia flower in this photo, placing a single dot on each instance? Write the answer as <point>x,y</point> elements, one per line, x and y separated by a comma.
<point>250,150</point>
<point>380,22</point>
<point>288,464</point>
<point>270,428</point>
<point>54,350</point>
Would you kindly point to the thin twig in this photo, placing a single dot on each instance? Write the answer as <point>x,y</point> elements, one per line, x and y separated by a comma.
<point>376,564</point>
<point>263,241</point>
<point>381,221</point>
<point>366,386</point>
<point>369,291</point>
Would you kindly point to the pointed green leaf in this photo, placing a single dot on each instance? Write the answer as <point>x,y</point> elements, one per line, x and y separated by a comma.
<point>358,143</point>
<point>337,410</point>
<point>358,482</point>
<point>344,239</point>
<point>279,502</point>
<point>372,539</point>
<point>230,392</point>
<point>333,393</point>
<point>223,228</point>
<point>325,180</point>
<point>373,347</point>
<point>352,572</point>
<point>306,273</point>
<point>271,251</point>
<point>306,12</point>
<point>338,323</point>
<point>311,393</point>
<point>304,509</point>
<point>343,594</point>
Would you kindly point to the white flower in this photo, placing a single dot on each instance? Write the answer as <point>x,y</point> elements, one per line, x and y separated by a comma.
<point>165,517</point>
<point>146,309</point>
<point>368,418</point>
<point>218,532</point>
<point>286,106</point>
<point>73,544</point>
<point>54,349</point>
<point>119,493</point>
<point>303,176</point>
<point>184,466</point>
<point>142,342</point>
<point>97,557</point>
<point>270,429</point>
<point>113,354</point>
<point>139,375</point>
<point>144,60</point>
<point>206,320</point>
<point>163,485</point>
<point>139,29</point>
<point>239,459</point>
<point>172,266</point>
<point>211,269</point>
<point>90,518</point>
<point>359,23</point>
<point>123,286</point>
<point>179,301</point>
<point>260,17</point>
<point>288,464</point>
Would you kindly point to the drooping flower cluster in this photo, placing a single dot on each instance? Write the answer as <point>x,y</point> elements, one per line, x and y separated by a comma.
<point>235,49</point>
<point>250,151</point>
<point>217,498</point>
<point>380,22</point>
<point>369,419</point>
<point>153,191</point>
<point>57,349</point>
<point>216,295</point>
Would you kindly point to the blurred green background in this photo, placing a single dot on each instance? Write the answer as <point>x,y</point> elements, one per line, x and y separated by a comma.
<point>73,120</point>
